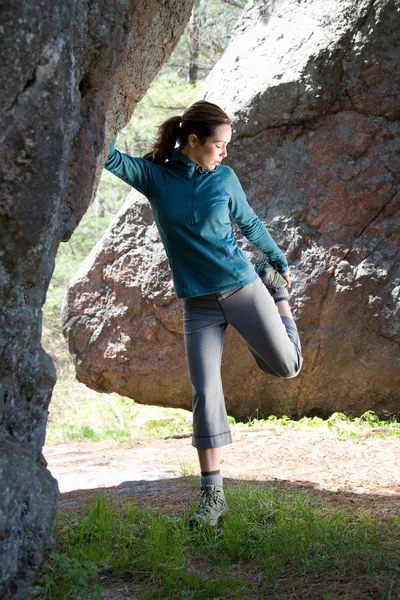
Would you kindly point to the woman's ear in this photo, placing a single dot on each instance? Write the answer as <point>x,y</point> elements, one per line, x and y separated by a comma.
<point>193,140</point>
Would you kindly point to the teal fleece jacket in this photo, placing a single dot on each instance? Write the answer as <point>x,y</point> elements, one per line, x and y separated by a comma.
<point>192,208</point>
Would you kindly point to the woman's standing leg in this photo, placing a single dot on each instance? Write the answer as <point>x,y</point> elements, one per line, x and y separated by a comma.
<point>210,422</point>
<point>205,328</point>
<point>209,459</point>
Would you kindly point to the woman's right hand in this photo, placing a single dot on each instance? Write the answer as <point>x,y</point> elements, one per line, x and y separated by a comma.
<point>288,280</point>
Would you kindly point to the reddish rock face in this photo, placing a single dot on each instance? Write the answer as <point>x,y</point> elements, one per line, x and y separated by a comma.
<point>314,98</point>
<point>342,243</point>
<point>70,77</point>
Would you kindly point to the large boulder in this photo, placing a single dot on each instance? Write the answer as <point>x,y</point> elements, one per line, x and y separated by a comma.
<point>313,91</point>
<point>317,149</point>
<point>71,74</point>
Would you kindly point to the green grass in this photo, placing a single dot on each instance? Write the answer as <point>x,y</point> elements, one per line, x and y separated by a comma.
<point>78,413</point>
<point>272,545</point>
<point>338,425</point>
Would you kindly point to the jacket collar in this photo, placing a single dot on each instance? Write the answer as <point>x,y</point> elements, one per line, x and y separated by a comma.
<point>181,160</point>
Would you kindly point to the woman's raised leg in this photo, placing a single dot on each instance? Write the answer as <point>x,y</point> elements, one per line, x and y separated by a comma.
<point>267,328</point>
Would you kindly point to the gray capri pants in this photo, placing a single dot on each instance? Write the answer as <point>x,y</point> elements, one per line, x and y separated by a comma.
<point>273,341</point>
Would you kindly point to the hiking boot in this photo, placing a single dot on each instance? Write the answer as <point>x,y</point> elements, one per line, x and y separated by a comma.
<point>279,293</point>
<point>273,281</point>
<point>212,507</point>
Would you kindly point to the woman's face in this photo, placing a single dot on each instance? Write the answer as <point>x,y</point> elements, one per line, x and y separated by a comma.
<point>213,151</point>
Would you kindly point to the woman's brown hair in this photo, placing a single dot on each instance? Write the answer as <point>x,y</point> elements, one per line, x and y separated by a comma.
<point>200,118</point>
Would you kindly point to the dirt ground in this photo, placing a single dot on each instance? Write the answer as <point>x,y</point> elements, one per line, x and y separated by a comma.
<point>359,473</point>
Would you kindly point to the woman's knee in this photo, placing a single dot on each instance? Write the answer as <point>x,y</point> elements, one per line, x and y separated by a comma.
<point>289,369</point>
<point>292,370</point>
<point>290,374</point>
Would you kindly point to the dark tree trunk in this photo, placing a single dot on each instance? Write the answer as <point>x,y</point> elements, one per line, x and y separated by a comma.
<point>194,45</point>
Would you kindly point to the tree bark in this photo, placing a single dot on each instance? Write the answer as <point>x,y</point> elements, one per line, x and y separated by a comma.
<point>233,3</point>
<point>194,45</point>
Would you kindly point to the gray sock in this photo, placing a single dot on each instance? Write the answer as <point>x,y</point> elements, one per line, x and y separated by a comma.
<point>211,478</point>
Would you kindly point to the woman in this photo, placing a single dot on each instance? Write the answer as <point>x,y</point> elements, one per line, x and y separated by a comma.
<point>192,197</point>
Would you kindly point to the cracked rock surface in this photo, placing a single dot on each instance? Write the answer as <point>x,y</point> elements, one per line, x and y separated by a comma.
<point>313,89</point>
<point>71,74</point>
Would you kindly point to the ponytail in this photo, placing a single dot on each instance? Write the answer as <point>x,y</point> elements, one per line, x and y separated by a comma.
<point>167,136</point>
<point>201,118</point>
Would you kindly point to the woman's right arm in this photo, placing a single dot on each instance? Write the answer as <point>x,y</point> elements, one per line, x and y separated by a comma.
<point>134,171</point>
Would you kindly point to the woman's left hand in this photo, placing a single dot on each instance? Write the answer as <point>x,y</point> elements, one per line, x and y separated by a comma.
<point>287,277</point>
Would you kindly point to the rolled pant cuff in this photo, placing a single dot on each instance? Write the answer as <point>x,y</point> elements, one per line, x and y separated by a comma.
<point>212,441</point>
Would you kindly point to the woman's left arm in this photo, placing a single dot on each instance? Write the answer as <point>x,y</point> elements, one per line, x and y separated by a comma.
<point>252,227</point>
